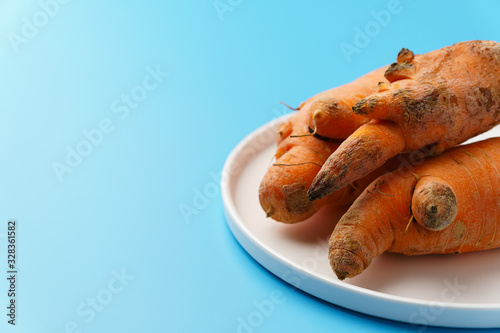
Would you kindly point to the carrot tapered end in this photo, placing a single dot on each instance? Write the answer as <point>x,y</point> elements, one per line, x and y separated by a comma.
<point>328,182</point>
<point>364,151</point>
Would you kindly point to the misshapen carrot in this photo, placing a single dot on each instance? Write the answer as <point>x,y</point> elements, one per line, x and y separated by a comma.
<point>305,141</point>
<point>434,101</point>
<point>448,204</point>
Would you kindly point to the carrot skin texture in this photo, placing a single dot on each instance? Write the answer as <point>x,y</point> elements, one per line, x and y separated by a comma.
<point>330,113</point>
<point>381,218</point>
<point>438,100</point>
<point>373,144</point>
<point>299,155</point>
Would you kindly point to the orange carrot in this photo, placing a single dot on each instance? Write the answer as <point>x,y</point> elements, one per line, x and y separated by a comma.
<point>447,204</point>
<point>305,141</point>
<point>434,101</point>
<point>330,112</point>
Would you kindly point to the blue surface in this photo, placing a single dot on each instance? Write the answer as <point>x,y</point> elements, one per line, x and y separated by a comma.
<point>155,95</point>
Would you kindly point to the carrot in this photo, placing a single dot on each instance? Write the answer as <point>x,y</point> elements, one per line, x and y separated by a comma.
<point>330,112</point>
<point>305,141</point>
<point>447,204</point>
<point>434,101</point>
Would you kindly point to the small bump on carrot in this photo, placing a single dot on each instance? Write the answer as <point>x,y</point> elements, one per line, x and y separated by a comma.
<point>383,86</point>
<point>405,55</point>
<point>434,204</point>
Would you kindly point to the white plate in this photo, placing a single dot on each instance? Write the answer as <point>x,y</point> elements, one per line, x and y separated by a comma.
<point>439,290</point>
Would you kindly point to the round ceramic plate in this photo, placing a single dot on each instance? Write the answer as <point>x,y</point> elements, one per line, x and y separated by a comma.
<point>438,290</point>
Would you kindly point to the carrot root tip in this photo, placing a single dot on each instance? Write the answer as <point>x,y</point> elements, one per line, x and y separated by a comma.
<point>290,107</point>
<point>325,184</point>
<point>345,263</point>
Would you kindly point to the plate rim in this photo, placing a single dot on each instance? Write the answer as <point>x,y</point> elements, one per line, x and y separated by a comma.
<point>237,226</point>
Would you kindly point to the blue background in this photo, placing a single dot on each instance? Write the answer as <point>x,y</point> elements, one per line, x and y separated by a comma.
<point>67,67</point>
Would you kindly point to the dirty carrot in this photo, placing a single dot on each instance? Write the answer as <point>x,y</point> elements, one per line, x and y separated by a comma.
<point>447,204</point>
<point>433,102</point>
<point>305,141</point>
